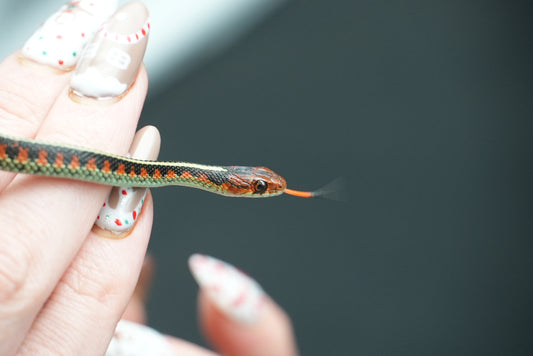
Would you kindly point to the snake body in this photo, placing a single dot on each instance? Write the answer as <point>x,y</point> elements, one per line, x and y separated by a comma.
<point>55,160</point>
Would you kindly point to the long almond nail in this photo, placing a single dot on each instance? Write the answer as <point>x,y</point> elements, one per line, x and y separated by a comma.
<point>124,204</point>
<point>135,339</point>
<point>111,61</point>
<point>236,294</point>
<point>62,37</point>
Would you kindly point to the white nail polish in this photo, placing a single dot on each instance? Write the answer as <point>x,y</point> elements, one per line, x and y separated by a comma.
<point>111,61</point>
<point>236,294</point>
<point>134,339</point>
<point>62,37</point>
<point>121,209</point>
<point>123,205</point>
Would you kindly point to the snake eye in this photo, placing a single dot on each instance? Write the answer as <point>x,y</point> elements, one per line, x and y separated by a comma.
<point>260,186</point>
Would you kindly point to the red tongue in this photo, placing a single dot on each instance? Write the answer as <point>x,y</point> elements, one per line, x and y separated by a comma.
<point>298,193</point>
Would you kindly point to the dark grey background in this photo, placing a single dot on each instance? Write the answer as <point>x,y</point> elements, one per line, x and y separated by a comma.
<point>425,108</point>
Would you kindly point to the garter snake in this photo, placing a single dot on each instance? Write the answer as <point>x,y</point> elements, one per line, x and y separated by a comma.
<point>64,161</point>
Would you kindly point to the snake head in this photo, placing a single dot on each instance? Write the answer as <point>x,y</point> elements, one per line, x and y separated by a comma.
<point>255,182</point>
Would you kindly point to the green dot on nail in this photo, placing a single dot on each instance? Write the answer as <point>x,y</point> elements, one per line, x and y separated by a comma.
<point>74,54</point>
<point>44,53</point>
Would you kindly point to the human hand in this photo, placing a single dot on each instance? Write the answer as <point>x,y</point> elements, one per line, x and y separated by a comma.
<point>235,315</point>
<point>65,284</point>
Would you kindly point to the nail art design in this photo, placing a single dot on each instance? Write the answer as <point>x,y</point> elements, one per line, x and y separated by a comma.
<point>62,37</point>
<point>124,204</point>
<point>121,209</point>
<point>235,293</point>
<point>134,339</point>
<point>109,64</point>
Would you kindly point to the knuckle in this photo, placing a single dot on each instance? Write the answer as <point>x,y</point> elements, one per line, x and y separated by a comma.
<point>92,283</point>
<point>15,266</point>
<point>16,108</point>
<point>20,283</point>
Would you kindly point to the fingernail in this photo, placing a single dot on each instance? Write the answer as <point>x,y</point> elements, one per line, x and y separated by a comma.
<point>62,37</point>
<point>111,61</point>
<point>124,204</point>
<point>236,294</point>
<point>135,339</point>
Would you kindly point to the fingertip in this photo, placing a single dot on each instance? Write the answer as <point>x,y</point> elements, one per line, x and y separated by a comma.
<point>119,213</point>
<point>133,339</point>
<point>237,317</point>
<point>60,40</point>
<point>186,348</point>
<point>233,291</point>
<point>271,334</point>
<point>146,143</point>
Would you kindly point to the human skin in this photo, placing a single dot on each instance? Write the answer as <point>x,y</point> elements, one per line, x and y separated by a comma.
<point>64,285</point>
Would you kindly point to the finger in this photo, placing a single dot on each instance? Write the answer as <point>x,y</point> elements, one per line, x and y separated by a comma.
<point>133,339</point>
<point>136,309</point>
<point>80,315</point>
<point>45,221</point>
<point>235,314</point>
<point>272,334</point>
<point>32,78</point>
<point>93,293</point>
<point>61,38</point>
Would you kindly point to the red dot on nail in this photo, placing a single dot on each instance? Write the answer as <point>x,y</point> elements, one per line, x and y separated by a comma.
<point>98,217</point>
<point>82,34</point>
<point>144,32</point>
<point>59,37</point>
<point>118,222</point>
<point>134,215</point>
<point>239,300</point>
<point>124,192</point>
<point>60,62</point>
<point>104,204</point>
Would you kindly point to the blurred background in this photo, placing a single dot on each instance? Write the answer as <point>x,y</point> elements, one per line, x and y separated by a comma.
<point>424,107</point>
